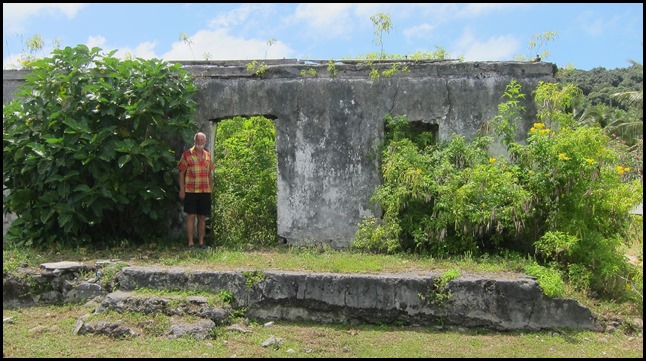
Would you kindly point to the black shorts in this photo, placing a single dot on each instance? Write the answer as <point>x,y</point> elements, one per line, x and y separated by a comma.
<point>198,203</point>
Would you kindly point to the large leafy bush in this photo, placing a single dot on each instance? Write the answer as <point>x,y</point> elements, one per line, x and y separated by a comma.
<point>88,148</point>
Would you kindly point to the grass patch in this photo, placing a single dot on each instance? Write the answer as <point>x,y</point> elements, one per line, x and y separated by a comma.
<point>285,258</point>
<point>45,331</point>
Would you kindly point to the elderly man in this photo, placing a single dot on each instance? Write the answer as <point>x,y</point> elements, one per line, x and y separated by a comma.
<point>195,185</point>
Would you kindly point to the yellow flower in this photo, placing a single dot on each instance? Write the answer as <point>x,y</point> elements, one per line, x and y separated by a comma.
<point>627,169</point>
<point>628,287</point>
<point>562,156</point>
<point>492,160</point>
<point>590,161</point>
<point>620,169</point>
<point>539,125</point>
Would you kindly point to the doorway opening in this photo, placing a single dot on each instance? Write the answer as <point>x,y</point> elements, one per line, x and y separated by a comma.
<point>244,214</point>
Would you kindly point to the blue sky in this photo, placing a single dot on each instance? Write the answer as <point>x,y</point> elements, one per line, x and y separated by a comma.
<point>588,35</point>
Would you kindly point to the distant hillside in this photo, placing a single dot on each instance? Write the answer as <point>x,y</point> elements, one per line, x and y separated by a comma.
<point>598,84</point>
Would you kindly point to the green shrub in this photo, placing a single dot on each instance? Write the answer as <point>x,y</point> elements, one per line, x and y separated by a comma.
<point>88,148</point>
<point>375,236</point>
<point>635,287</point>
<point>444,199</point>
<point>548,279</point>
<point>565,194</point>
<point>582,193</point>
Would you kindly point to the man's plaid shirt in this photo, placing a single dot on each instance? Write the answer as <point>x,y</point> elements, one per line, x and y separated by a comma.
<point>198,172</point>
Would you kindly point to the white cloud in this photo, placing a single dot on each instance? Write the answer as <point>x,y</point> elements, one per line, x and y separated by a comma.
<point>326,20</point>
<point>343,20</point>
<point>93,41</point>
<point>498,48</point>
<point>239,15</point>
<point>422,31</point>
<point>16,16</point>
<point>220,45</point>
<point>144,50</point>
<point>478,9</point>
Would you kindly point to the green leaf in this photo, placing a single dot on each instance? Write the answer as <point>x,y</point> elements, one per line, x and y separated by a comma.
<point>46,215</point>
<point>124,159</point>
<point>158,193</point>
<point>54,140</point>
<point>82,188</point>
<point>64,219</point>
<point>76,125</point>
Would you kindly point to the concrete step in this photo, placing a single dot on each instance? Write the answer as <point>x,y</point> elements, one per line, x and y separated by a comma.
<point>498,302</point>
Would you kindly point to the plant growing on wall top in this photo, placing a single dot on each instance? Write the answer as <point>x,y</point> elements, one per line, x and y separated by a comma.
<point>258,68</point>
<point>30,48</point>
<point>270,43</point>
<point>382,24</point>
<point>537,48</point>
<point>309,72</point>
<point>188,41</point>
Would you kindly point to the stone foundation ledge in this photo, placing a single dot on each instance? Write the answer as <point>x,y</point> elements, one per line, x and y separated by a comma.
<point>493,301</point>
<point>473,301</point>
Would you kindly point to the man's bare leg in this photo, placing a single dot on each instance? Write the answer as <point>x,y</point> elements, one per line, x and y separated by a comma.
<point>190,224</point>
<point>201,228</point>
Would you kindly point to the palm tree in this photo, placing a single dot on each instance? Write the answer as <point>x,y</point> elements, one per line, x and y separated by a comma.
<point>629,127</point>
<point>631,98</point>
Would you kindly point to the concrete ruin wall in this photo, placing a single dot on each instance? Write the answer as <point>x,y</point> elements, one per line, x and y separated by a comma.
<point>329,125</point>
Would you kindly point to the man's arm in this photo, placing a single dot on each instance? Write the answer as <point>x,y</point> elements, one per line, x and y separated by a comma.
<point>211,171</point>
<point>182,178</point>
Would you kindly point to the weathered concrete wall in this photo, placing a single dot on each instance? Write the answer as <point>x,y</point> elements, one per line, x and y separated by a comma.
<point>327,127</point>
<point>11,79</point>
